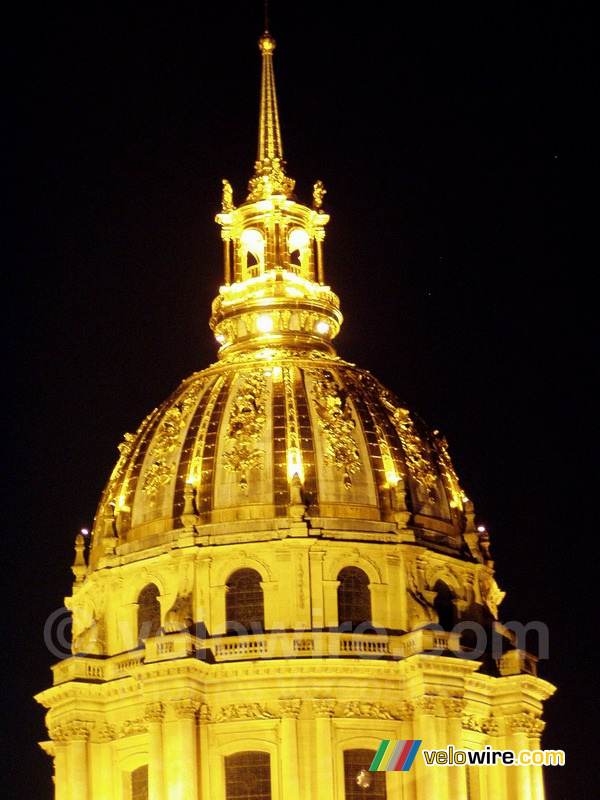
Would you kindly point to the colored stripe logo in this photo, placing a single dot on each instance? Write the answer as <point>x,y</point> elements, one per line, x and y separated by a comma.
<point>395,755</point>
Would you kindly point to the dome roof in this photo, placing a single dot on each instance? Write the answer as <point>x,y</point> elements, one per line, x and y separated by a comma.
<point>259,440</point>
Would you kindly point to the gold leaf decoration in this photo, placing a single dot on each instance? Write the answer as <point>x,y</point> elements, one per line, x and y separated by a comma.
<point>160,471</point>
<point>337,424</point>
<point>415,449</point>
<point>246,424</point>
<point>457,496</point>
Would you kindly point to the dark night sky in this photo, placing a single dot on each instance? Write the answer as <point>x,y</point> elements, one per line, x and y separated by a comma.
<point>455,142</point>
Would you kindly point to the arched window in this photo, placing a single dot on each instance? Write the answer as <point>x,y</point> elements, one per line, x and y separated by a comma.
<point>148,611</point>
<point>299,250</point>
<point>244,600</point>
<point>354,597</point>
<point>252,253</point>
<point>359,783</point>
<point>248,776</point>
<point>443,605</point>
<point>139,783</point>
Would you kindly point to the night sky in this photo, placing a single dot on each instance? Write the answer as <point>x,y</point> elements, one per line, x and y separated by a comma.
<point>454,141</point>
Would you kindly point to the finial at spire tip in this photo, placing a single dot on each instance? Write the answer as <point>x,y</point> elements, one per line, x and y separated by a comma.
<point>266,43</point>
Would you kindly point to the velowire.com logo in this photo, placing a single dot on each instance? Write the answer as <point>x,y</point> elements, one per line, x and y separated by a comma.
<point>395,755</point>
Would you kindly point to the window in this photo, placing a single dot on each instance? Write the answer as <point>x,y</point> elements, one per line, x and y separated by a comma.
<point>354,597</point>
<point>252,253</point>
<point>139,783</point>
<point>443,604</point>
<point>299,250</point>
<point>244,601</point>
<point>148,611</point>
<point>359,783</point>
<point>248,776</point>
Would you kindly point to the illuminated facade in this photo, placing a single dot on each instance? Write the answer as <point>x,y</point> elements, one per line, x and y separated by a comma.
<point>250,620</point>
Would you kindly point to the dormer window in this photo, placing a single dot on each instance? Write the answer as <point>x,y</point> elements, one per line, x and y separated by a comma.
<point>299,251</point>
<point>252,253</point>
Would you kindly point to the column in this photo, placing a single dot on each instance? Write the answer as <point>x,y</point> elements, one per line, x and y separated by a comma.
<point>204,716</point>
<point>155,713</point>
<point>457,774</point>
<point>536,774</point>
<point>519,777</point>
<point>61,776</point>
<point>182,753</point>
<point>289,710</point>
<point>325,765</point>
<point>77,734</point>
<point>316,587</point>
<point>429,783</point>
<point>101,766</point>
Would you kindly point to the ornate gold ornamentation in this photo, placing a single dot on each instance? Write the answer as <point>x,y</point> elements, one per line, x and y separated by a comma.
<point>337,424</point>
<point>458,497</point>
<point>368,709</point>
<point>243,711</point>
<point>415,449</point>
<point>160,471</point>
<point>76,730</point>
<point>490,593</point>
<point>319,192</point>
<point>427,705</point>
<point>269,179</point>
<point>246,424</point>
<point>227,197</point>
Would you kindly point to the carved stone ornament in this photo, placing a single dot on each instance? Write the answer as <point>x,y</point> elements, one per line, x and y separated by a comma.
<point>186,708</point>
<point>131,727</point>
<point>155,712</point>
<point>246,424</point>
<point>454,706</point>
<point>364,708</point>
<point>427,705</point>
<point>161,471</point>
<point>337,424</point>
<point>490,594</point>
<point>179,616</point>
<point>319,192</point>
<point>289,707</point>
<point>525,722</point>
<point>76,730</point>
<point>489,725</point>
<point>104,733</point>
<point>325,707</point>
<point>238,711</point>
<point>227,197</point>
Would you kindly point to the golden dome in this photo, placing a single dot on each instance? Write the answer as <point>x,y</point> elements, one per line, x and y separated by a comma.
<point>251,445</point>
<point>281,434</point>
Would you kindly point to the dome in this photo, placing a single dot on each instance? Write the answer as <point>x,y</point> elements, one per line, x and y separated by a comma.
<point>260,440</point>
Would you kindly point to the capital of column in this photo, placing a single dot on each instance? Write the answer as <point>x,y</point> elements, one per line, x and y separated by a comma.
<point>525,722</point>
<point>325,707</point>
<point>76,730</point>
<point>427,705</point>
<point>155,712</point>
<point>454,706</point>
<point>290,707</point>
<point>186,708</point>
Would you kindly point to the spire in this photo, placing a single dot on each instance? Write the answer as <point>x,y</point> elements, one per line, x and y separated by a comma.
<point>269,133</point>
<point>269,175</point>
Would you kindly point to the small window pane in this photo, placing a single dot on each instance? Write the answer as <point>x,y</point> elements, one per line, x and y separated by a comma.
<point>245,602</point>
<point>359,783</point>
<point>354,597</point>
<point>148,611</point>
<point>248,776</point>
<point>139,783</point>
